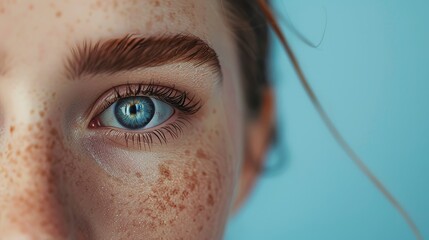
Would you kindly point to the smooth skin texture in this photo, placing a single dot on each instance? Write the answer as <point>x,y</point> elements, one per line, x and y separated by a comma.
<point>61,179</point>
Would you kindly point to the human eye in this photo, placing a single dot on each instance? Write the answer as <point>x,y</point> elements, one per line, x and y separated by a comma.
<point>136,113</point>
<point>143,114</point>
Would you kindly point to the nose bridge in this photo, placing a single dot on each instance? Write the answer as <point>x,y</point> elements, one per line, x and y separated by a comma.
<point>31,200</point>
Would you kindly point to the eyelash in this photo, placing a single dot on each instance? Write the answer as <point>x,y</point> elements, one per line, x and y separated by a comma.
<point>180,100</point>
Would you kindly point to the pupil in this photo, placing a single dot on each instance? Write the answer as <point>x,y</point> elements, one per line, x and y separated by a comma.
<point>133,109</point>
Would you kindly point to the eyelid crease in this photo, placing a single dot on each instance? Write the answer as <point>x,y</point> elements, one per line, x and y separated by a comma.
<point>181,100</point>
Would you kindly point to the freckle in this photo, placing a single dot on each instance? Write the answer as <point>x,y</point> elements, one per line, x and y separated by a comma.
<point>192,181</point>
<point>214,111</point>
<point>138,174</point>
<point>181,207</point>
<point>115,4</point>
<point>156,3</point>
<point>53,132</point>
<point>159,18</point>
<point>187,152</point>
<point>161,206</point>
<point>200,208</point>
<point>12,129</point>
<point>210,200</point>
<point>164,171</point>
<point>200,228</point>
<point>172,16</point>
<point>184,195</point>
<point>58,14</point>
<point>30,7</point>
<point>201,154</point>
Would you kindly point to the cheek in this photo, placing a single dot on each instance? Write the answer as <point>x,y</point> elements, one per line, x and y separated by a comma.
<point>187,197</point>
<point>32,189</point>
<point>182,189</point>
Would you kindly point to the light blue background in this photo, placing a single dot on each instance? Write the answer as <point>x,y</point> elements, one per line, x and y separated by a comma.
<point>372,75</point>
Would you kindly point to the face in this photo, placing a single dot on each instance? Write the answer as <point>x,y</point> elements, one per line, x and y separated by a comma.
<point>118,119</point>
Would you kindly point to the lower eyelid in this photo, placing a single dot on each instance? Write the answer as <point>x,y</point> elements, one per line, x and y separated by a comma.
<point>168,131</point>
<point>170,120</point>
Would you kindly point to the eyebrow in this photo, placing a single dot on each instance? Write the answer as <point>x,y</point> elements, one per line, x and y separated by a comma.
<point>133,52</point>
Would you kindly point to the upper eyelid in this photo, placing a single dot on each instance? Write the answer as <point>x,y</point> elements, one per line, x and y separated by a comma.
<point>162,93</point>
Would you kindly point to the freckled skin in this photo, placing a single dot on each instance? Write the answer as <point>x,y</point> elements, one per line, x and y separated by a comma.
<point>52,186</point>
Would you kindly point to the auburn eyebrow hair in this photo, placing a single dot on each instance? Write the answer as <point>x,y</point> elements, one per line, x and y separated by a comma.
<point>133,51</point>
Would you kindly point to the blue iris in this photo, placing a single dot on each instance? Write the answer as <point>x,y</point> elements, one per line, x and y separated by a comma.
<point>134,112</point>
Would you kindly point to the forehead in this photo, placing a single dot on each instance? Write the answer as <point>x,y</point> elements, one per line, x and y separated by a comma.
<point>83,11</point>
<point>69,21</point>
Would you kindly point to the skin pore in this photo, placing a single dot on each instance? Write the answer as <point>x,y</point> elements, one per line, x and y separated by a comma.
<point>64,177</point>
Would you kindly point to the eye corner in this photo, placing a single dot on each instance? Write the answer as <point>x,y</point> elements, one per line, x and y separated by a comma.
<point>94,123</point>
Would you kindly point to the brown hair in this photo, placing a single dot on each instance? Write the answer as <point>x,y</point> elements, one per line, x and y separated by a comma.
<point>249,22</point>
<point>251,32</point>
